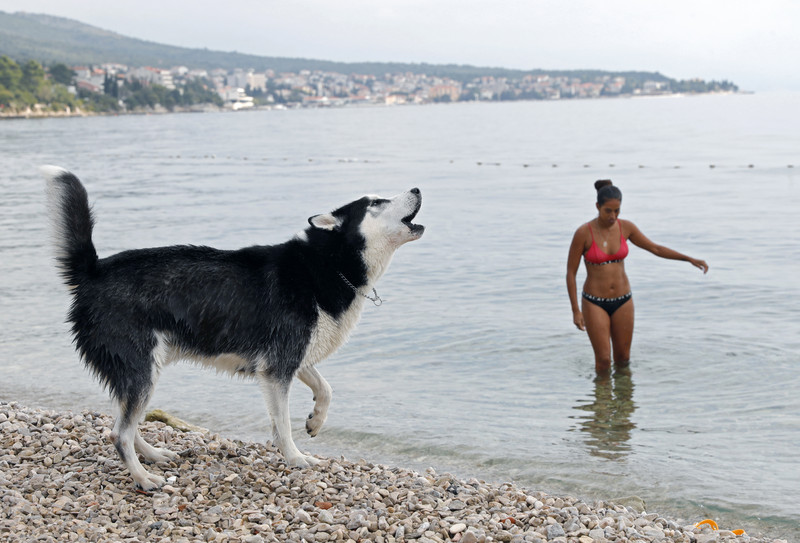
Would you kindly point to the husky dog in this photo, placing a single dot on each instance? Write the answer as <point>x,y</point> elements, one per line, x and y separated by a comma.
<point>266,312</point>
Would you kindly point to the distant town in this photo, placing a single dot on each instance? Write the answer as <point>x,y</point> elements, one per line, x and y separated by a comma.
<point>31,89</point>
<point>242,89</point>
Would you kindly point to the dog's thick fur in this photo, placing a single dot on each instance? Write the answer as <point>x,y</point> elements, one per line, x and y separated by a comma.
<point>267,312</point>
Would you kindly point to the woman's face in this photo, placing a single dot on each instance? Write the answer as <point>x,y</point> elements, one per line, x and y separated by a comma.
<point>608,211</point>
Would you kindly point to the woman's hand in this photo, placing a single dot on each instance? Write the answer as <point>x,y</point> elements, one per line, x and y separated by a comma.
<point>577,318</point>
<point>699,264</point>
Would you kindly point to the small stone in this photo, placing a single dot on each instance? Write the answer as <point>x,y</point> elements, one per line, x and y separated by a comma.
<point>634,502</point>
<point>209,519</point>
<point>456,505</point>
<point>597,534</point>
<point>652,532</point>
<point>457,528</point>
<point>572,525</point>
<point>554,531</point>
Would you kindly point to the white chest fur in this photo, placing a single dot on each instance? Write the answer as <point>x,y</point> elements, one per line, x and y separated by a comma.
<point>329,334</point>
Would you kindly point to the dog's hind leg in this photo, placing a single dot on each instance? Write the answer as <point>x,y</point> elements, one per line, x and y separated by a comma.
<point>124,436</point>
<point>276,393</point>
<point>322,398</point>
<point>133,396</point>
<point>162,354</point>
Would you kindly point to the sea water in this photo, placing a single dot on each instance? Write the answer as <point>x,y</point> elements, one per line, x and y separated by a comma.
<point>473,365</point>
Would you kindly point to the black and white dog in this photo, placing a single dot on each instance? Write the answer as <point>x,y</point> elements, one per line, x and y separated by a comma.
<point>269,312</point>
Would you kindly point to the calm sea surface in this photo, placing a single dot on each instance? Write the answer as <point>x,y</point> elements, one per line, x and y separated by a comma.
<point>473,365</point>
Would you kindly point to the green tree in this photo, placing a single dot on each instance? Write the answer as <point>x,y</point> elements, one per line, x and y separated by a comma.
<point>32,77</point>
<point>62,74</point>
<point>10,74</point>
<point>6,97</point>
<point>95,101</point>
<point>62,99</point>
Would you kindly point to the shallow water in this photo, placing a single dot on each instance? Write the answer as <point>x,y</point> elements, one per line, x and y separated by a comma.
<point>473,365</point>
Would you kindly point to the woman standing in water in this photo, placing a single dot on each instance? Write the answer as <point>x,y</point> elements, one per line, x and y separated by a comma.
<point>606,312</point>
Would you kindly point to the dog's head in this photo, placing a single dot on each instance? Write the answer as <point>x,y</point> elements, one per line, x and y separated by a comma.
<point>380,225</point>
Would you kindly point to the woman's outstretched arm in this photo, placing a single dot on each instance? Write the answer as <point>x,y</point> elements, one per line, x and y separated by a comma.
<point>642,241</point>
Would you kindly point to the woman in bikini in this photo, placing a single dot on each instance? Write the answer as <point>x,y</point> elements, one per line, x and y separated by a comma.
<point>606,312</point>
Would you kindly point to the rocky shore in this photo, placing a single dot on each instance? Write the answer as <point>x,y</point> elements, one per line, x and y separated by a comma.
<point>43,113</point>
<point>61,480</point>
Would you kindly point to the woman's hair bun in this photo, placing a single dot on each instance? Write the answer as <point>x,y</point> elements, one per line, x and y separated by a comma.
<point>606,190</point>
<point>602,183</point>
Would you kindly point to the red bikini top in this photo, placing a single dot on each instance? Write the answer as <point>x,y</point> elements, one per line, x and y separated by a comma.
<point>597,257</point>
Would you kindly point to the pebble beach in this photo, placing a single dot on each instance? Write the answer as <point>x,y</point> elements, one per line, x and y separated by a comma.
<point>61,480</point>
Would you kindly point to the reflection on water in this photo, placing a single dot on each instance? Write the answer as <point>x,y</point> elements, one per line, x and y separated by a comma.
<point>607,420</point>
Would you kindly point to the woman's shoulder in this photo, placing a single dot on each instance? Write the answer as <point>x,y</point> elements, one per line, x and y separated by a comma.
<point>583,229</point>
<point>627,223</point>
<point>582,235</point>
<point>627,227</point>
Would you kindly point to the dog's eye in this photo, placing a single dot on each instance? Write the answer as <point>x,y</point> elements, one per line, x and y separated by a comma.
<point>379,202</point>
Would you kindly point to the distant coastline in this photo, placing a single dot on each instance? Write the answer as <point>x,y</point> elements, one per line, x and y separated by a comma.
<point>207,108</point>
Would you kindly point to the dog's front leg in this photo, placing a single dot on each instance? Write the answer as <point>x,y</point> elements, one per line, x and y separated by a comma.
<point>276,393</point>
<point>322,398</point>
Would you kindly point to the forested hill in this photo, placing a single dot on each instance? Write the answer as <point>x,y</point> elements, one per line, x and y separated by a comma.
<point>49,40</point>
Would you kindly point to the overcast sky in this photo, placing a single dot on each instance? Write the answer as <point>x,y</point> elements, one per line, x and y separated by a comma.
<point>755,44</point>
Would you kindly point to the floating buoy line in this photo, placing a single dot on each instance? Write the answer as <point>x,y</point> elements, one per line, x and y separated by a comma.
<point>348,160</point>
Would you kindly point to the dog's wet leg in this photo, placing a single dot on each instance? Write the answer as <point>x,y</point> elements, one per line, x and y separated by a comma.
<point>161,356</point>
<point>276,393</point>
<point>322,398</point>
<point>124,437</point>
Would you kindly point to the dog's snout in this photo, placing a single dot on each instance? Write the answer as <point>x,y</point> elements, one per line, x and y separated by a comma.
<point>415,190</point>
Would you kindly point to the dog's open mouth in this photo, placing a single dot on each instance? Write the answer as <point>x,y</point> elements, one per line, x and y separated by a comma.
<point>415,228</point>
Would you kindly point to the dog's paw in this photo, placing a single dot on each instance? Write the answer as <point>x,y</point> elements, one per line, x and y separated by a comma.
<point>312,461</point>
<point>303,461</point>
<point>314,424</point>
<point>150,482</point>
<point>162,455</point>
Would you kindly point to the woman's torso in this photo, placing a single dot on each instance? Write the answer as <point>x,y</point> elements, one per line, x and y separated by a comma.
<point>605,264</point>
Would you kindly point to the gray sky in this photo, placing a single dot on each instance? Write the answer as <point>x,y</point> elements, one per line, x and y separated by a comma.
<point>755,44</point>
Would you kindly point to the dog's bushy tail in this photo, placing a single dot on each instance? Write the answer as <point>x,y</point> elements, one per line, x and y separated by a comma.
<point>72,221</point>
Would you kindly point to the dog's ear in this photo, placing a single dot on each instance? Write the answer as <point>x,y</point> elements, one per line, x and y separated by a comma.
<point>325,221</point>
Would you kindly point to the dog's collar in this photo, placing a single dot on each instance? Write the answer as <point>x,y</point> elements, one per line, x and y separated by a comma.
<point>377,300</point>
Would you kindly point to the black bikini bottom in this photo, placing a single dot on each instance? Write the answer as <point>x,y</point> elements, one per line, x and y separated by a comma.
<point>609,304</point>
